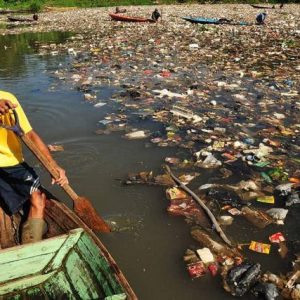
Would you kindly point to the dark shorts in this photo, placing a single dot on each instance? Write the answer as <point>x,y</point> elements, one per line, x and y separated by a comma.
<point>17,183</point>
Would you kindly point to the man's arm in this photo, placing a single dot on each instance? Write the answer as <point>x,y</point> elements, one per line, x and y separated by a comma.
<point>5,106</point>
<point>35,138</point>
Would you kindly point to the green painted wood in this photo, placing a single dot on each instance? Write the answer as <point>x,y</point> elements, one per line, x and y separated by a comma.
<point>80,278</point>
<point>24,267</point>
<point>58,287</point>
<point>13,297</point>
<point>116,297</point>
<point>98,264</point>
<point>24,283</point>
<point>31,250</point>
<point>34,293</point>
<point>66,267</point>
<point>70,241</point>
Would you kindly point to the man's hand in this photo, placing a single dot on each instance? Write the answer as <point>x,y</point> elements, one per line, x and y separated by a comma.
<point>62,179</point>
<point>5,106</point>
<point>35,138</point>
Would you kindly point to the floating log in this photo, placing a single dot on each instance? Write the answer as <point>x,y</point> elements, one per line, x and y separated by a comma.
<point>201,203</point>
<point>218,248</point>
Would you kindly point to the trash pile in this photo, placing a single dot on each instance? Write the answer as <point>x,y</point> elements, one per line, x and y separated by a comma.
<point>228,99</point>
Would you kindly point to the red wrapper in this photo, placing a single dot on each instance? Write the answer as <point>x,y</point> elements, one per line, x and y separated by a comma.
<point>213,269</point>
<point>196,269</point>
<point>277,238</point>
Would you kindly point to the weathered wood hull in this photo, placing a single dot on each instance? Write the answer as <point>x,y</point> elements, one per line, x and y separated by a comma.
<point>262,7</point>
<point>70,263</point>
<point>15,19</point>
<point>212,21</point>
<point>118,17</point>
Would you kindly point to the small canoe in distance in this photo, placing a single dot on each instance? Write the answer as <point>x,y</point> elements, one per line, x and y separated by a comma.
<point>118,17</point>
<point>70,263</point>
<point>213,21</point>
<point>262,7</point>
<point>20,19</point>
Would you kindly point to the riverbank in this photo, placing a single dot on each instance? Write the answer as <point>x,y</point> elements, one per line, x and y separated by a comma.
<point>42,5</point>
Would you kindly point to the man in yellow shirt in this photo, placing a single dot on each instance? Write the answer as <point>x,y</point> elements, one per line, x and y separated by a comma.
<point>18,181</point>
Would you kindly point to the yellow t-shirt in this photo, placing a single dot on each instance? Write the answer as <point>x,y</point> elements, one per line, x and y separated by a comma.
<point>10,145</point>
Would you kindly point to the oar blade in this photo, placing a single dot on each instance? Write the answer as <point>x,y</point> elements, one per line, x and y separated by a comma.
<point>88,214</point>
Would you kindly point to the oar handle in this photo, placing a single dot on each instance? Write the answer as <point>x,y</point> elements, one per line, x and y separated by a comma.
<point>48,165</point>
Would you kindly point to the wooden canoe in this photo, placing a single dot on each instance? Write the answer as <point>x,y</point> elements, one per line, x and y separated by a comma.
<point>262,7</point>
<point>119,17</point>
<point>19,19</point>
<point>70,263</point>
<point>213,21</point>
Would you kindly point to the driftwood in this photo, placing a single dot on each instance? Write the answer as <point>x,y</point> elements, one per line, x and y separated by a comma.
<point>200,202</point>
<point>292,279</point>
<point>258,218</point>
<point>218,248</point>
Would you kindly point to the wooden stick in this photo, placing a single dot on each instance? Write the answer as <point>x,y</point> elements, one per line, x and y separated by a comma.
<point>200,202</point>
<point>292,279</point>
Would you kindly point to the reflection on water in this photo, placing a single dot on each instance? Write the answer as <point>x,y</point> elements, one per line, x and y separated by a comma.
<point>15,48</point>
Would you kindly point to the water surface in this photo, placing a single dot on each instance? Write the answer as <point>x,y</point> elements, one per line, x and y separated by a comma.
<point>150,244</point>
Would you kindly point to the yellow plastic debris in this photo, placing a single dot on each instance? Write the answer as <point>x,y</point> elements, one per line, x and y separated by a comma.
<point>266,199</point>
<point>260,247</point>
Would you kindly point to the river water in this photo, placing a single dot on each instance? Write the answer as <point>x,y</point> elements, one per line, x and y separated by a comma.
<point>150,244</point>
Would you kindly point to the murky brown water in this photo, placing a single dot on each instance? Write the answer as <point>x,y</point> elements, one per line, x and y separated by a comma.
<point>150,244</point>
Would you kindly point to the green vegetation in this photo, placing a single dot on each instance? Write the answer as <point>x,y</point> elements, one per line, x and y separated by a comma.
<point>37,5</point>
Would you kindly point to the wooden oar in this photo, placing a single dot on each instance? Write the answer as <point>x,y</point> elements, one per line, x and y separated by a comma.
<point>81,205</point>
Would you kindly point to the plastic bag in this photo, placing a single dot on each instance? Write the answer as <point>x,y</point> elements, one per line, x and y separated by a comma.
<point>242,277</point>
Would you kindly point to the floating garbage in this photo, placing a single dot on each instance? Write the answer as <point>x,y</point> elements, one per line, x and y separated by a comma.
<point>260,247</point>
<point>209,162</point>
<point>196,269</point>
<point>205,255</point>
<point>100,104</point>
<point>240,279</point>
<point>266,199</point>
<point>278,214</point>
<point>258,218</point>
<point>238,129</point>
<point>264,290</point>
<point>277,238</point>
<point>176,193</point>
<point>135,135</point>
<point>55,148</point>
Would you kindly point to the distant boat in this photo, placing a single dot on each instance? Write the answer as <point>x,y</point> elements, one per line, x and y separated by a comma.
<point>22,19</point>
<point>213,21</point>
<point>262,7</point>
<point>118,17</point>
